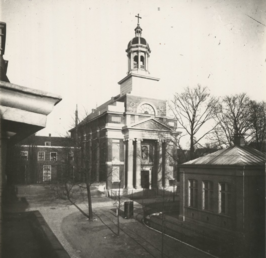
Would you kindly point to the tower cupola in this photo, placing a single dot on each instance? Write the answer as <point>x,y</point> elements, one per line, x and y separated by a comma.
<point>138,52</point>
<point>138,80</point>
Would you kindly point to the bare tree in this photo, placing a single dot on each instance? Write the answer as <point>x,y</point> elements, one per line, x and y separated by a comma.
<point>232,119</point>
<point>76,173</point>
<point>193,108</point>
<point>257,119</point>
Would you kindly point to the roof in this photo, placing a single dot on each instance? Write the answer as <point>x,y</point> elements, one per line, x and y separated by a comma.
<point>236,155</point>
<point>139,41</point>
<point>40,141</point>
<point>97,112</point>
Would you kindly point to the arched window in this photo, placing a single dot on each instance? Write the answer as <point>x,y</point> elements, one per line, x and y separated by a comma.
<point>142,64</point>
<point>135,61</point>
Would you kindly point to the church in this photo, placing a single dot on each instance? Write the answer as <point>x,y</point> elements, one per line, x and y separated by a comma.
<point>126,141</point>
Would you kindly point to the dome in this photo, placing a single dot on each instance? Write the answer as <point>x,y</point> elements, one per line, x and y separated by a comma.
<point>138,41</point>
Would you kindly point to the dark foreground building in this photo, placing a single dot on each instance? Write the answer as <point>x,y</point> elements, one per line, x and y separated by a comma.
<point>23,112</point>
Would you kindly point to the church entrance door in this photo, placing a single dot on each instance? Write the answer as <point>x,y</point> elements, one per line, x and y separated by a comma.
<point>145,179</point>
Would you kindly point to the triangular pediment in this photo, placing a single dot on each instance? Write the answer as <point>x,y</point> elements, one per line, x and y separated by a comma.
<point>150,124</point>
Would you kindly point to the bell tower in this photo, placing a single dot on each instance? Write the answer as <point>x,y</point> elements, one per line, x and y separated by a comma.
<point>138,81</point>
<point>138,52</point>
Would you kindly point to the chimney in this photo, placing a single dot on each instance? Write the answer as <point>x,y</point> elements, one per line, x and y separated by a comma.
<point>93,110</point>
<point>49,135</point>
<point>239,139</point>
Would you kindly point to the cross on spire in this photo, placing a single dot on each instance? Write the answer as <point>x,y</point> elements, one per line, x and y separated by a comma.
<point>137,16</point>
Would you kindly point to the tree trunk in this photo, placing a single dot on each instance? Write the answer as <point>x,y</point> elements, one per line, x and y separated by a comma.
<point>89,197</point>
<point>191,147</point>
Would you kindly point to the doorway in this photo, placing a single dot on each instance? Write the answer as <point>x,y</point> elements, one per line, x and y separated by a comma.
<point>145,179</point>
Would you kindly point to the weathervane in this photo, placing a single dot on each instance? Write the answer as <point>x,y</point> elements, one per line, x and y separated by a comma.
<point>138,18</point>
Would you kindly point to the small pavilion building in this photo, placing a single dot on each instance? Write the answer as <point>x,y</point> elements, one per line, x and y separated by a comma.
<point>222,195</point>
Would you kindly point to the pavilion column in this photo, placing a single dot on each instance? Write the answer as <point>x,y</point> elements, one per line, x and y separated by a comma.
<point>130,155</point>
<point>138,163</point>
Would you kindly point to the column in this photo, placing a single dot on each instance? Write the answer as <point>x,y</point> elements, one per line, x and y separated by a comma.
<point>130,163</point>
<point>138,60</point>
<point>159,164</point>
<point>164,160</point>
<point>125,162</point>
<point>131,61</point>
<point>168,170</point>
<point>147,62</point>
<point>138,163</point>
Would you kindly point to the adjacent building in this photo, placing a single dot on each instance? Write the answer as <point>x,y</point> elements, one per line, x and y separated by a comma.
<point>222,196</point>
<point>127,140</point>
<point>42,159</point>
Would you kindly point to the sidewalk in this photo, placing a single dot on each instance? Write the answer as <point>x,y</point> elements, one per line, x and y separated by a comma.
<point>82,238</point>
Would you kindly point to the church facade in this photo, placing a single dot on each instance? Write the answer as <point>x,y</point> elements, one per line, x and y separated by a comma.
<point>127,140</point>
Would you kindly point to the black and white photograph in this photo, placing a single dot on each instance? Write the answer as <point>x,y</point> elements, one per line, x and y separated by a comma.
<point>132,128</point>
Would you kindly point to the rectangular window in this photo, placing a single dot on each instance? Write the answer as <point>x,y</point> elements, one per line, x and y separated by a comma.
<point>207,195</point>
<point>24,155</point>
<point>116,119</point>
<point>41,155</point>
<point>116,150</point>
<point>47,175</point>
<point>53,156</point>
<point>47,143</point>
<point>115,174</point>
<point>224,198</point>
<point>85,137</point>
<point>193,193</point>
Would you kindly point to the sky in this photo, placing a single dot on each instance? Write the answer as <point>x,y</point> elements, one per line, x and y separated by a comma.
<point>77,48</point>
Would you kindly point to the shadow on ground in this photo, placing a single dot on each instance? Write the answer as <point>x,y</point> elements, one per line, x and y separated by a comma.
<point>26,234</point>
